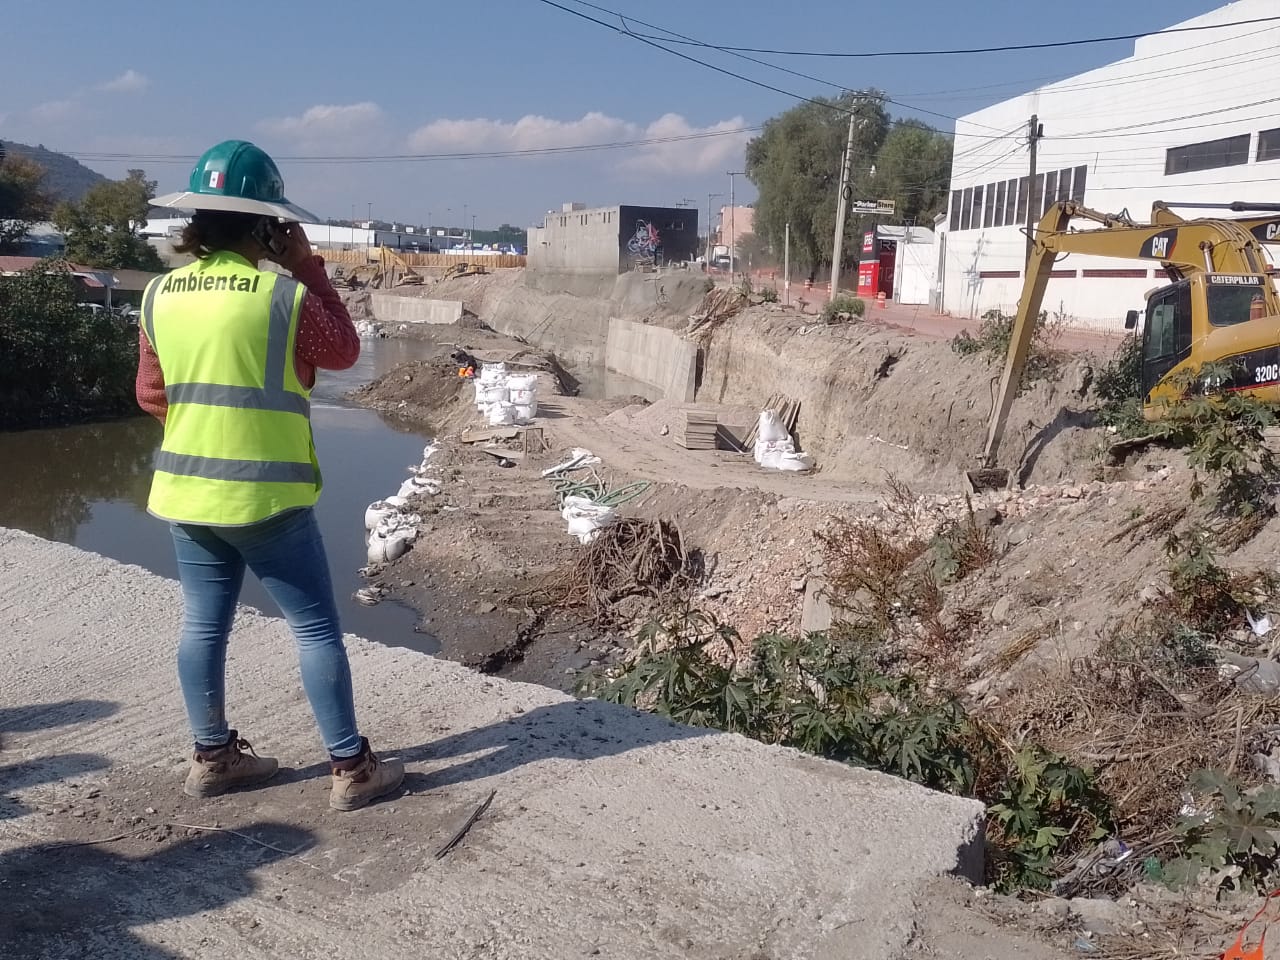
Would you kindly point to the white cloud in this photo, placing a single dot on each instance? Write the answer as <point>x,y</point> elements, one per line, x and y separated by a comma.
<point>695,154</point>
<point>131,81</point>
<point>325,121</point>
<point>51,111</point>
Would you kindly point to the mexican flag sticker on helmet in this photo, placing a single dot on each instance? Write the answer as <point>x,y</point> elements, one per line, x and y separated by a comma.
<point>216,179</point>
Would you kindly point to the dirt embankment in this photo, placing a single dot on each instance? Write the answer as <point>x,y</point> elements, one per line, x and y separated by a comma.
<point>873,402</point>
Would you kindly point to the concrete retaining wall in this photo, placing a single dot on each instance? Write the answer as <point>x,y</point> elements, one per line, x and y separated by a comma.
<point>653,355</point>
<point>389,308</point>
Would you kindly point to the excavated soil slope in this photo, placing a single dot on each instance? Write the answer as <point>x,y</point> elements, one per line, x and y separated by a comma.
<point>876,400</point>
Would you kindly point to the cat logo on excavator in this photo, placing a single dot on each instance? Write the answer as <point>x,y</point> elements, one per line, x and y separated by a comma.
<point>1221,307</point>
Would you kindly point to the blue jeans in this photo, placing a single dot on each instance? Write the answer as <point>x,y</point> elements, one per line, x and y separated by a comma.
<point>286,553</point>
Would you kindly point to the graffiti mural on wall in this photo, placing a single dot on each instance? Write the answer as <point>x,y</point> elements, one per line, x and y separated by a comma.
<point>645,244</point>
<point>650,237</point>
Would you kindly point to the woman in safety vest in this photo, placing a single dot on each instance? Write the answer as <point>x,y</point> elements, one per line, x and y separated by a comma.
<point>228,358</point>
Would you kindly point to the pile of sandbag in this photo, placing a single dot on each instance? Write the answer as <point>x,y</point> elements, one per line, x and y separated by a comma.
<point>390,524</point>
<point>775,450</point>
<point>505,398</point>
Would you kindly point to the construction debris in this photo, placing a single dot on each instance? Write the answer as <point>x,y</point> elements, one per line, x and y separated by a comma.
<point>719,305</point>
<point>629,558</point>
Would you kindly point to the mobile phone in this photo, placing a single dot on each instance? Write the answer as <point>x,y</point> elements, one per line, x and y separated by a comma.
<point>271,235</point>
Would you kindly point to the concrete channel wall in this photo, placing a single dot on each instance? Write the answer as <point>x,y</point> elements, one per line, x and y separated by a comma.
<point>389,308</point>
<point>578,330</point>
<point>657,356</point>
<point>610,832</point>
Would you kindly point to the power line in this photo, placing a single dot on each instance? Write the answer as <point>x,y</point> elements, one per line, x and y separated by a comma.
<point>1056,86</point>
<point>427,157</point>
<point>653,42</point>
<point>742,56</point>
<point>969,50</point>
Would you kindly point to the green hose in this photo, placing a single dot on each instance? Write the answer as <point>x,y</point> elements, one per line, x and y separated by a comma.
<point>596,490</point>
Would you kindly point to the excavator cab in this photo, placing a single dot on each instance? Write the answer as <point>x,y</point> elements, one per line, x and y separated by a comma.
<point>1209,318</point>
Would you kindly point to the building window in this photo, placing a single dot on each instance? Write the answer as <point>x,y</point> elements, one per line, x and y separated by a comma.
<point>1269,145</point>
<point>1077,184</point>
<point>1011,203</point>
<point>1024,198</point>
<point>1048,190</point>
<point>954,222</point>
<point>966,208</point>
<point>998,221</point>
<point>1229,152</point>
<point>975,221</point>
<point>989,217</point>
<point>1064,184</point>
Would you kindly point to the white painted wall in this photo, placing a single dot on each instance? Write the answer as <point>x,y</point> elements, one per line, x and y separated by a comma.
<point>576,241</point>
<point>320,234</point>
<point>1118,121</point>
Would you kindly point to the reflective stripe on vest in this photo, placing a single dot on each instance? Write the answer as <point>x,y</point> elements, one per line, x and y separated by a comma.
<point>238,446</point>
<point>213,468</point>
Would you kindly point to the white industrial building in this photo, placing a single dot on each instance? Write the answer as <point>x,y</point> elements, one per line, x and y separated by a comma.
<point>1192,116</point>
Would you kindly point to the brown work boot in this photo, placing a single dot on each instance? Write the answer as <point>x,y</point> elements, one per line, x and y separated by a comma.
<point>226,768</point>
<point>361,779</point>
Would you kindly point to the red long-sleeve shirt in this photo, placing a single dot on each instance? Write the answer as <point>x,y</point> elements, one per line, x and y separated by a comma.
<point>327,340</point>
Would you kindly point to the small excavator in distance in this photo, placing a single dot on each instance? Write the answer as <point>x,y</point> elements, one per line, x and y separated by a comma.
<point>1220,307</point>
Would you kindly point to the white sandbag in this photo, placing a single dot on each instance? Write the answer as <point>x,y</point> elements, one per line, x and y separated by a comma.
<point>501,414</point>
<point>488,394</point>
<point>796,462</point>
<point>428,452</point>
<point>767,452</point>
<point>524,412</point>
<point>493,372</point>
<point>419,485</point>
<point>770,428</point>
<point>392,546</point>
<point>522,389</point>
<point>375,512</point>
<point>585,517</point>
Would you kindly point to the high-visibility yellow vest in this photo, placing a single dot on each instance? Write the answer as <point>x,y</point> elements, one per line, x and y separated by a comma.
<point>237,437</point>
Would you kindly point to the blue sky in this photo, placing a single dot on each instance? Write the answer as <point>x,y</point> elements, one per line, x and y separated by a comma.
<point>329,79</point>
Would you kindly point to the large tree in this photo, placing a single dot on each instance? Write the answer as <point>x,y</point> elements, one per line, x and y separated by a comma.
<point>23,199</point>
<point>102,229</point>
<point>913,169</point>
<point>795,166</point>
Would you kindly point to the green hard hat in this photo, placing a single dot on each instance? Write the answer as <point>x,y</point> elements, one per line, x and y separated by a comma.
<point>238,176</point>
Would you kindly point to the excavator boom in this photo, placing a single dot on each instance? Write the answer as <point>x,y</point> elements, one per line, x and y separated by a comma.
<point>1184,248</point>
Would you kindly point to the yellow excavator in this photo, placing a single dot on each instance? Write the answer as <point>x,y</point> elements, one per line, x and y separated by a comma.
<point>1221,305</point>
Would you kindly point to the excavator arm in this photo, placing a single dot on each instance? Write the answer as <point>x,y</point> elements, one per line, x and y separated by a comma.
<point>1182,247</point>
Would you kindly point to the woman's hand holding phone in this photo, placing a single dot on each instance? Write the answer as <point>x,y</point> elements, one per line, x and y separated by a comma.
<point>296,247</point>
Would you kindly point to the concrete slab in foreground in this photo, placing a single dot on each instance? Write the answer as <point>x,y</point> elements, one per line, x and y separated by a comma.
<point>613,834</point>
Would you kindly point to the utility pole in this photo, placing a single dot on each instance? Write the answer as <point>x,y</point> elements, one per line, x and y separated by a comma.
<point>710,197</point>
<point>786,268</point>
<point>842,210</point>
<point>1035,131</point>
<point>733,230</point>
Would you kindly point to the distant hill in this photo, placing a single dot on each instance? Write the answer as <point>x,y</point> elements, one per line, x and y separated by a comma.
<point>65,178</point>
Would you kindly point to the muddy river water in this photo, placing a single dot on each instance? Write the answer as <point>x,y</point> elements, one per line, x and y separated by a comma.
<point>87,486</point>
